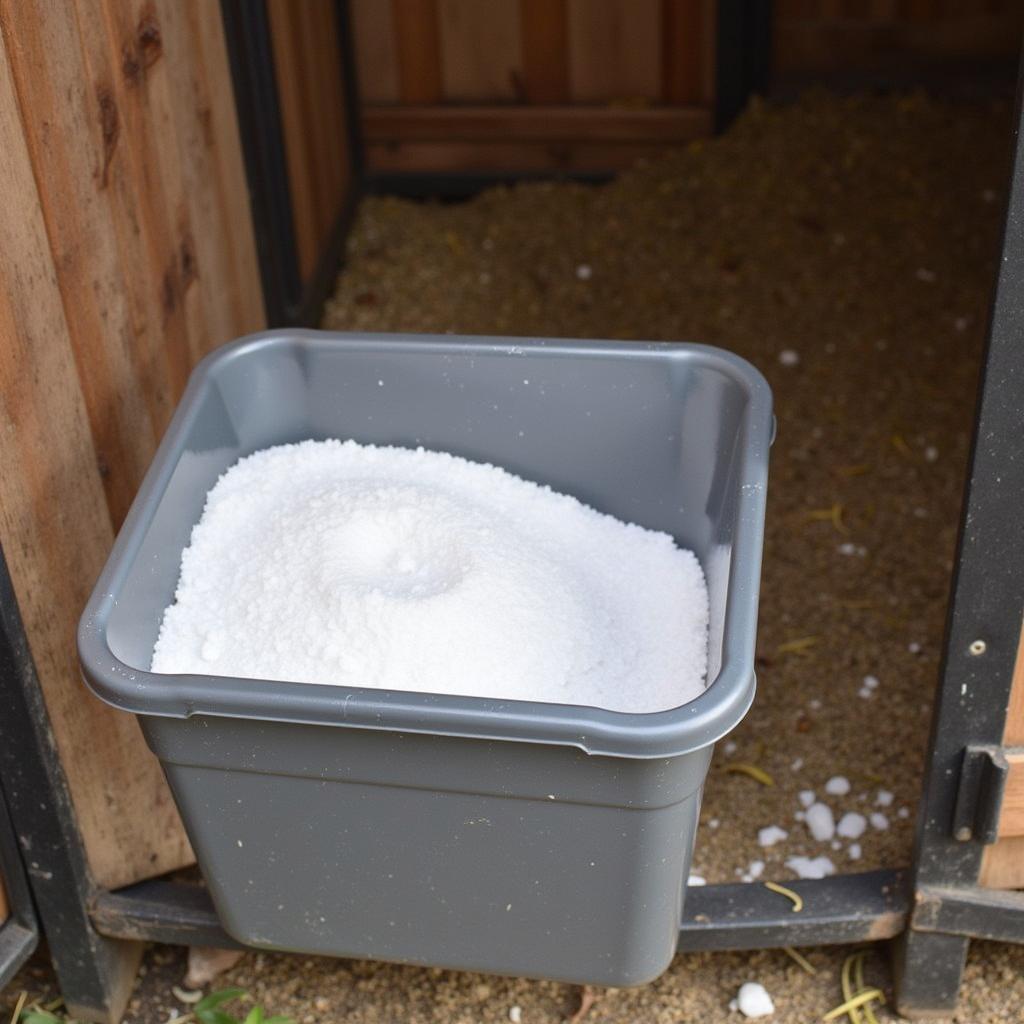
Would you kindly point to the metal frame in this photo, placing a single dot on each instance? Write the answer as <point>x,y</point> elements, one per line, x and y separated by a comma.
<point>95,973</point>
<point>19,933</point>
<point>962,785</point>
<point>95,936</point>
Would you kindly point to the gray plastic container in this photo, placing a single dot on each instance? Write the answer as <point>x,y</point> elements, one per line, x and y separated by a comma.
<point>519,838</point>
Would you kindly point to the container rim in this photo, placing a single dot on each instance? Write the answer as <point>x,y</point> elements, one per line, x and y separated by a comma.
<point>596,731</point>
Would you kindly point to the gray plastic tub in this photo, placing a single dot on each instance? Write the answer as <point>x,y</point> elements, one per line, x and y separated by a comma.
<point>503,836</point>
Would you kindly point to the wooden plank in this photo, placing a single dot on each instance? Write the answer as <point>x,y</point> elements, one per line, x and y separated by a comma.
<point>1013,735</point>
<point>508,157</point>
<point>683,52</point>
<point>206,257</point>
<point>60,119</point>
<point>1003,863</point>
<point>418,45</point>
<point>134,41</point>
<point>240,287</point>
<point>326,116</point>
<point>307,64</point>
<point>614,50</point>
<point>373,30</point>
<point>480,50</point>
<point>56,531</point>
<point>544,41</point>
<point>1002,866</point>
<point>1011,819</point>
<point>553,124</point>
<point>288,66</point>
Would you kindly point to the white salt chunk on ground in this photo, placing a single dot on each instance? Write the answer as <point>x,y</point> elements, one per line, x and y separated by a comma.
<point>871,682</point>
<point>838,785</point>
<point>753,1000</point>
<point>771,835</point>
<point>797,764</point>
<point>515,1014</point>
<point>820,822</point>
<point>696,880</point>
<point>789,357</point>
<point>879,821</point>
<point>852,825</point>
<point>853,851</point>
<point>811,867</point>
<point>806,797</point>
<point>729,746</point>
<point>884,798</point>
<point>336,563</point>
<point>903,812</point>
<point>754,870</point>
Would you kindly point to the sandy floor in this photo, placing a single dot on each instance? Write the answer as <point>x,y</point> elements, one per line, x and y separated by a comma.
<point>859,235</point>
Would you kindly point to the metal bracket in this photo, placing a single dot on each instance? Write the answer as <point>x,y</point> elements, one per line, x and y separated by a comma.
<point>979,797</point>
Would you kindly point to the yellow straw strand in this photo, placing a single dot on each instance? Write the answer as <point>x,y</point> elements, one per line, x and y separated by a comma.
<point>798,902</point>
<point>797,957</point>
<point>799,646</point>
<point>757,774</point>
<point>853,1004</point>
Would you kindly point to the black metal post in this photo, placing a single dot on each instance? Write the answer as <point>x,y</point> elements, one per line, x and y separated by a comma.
<point>982,633</point>
<point>95,973</point>
<point>19,933</point>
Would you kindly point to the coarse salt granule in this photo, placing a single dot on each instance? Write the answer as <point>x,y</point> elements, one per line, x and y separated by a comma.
<point>360,566</point>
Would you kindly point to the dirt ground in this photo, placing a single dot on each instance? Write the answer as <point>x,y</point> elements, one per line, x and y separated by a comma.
<point>846,247</point>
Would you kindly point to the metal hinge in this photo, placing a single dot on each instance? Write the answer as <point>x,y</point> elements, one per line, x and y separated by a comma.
<point>979,797</point>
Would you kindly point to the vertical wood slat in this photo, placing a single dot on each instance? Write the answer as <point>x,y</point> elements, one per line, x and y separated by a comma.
<point>133,40</point>
<point>118,143</point>
<point>55,530</point>
<point>326,114</point>
<point>544,34</point>
<point>480,50</point>
<point>373,28</point>
<point>287,48</point>
<point>614,50</point>
<point>682,51</point>
<point>418,45</point>
<point>240,285</point>
<point>307,69</point>
<point>69,164</point>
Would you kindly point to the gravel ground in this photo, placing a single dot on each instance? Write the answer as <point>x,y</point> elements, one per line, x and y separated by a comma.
<point>697,988</point>
<point>847,247</point>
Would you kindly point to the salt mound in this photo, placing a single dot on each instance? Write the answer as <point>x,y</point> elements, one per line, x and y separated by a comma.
<point>336,563</point>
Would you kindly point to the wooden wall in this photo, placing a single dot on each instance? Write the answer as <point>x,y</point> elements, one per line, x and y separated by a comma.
<point>311,94</point>
<point>127,253</point>
<point>520,85</point>
<point>816,36</point>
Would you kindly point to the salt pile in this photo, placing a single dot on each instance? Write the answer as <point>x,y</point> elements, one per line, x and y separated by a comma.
<point>336,563</point>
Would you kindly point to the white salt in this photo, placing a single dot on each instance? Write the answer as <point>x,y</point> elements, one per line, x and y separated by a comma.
<point>879,821</point>
<point>696,880</point>
<point>771,835</point>
<point>806,797</point>
<point>820,822</point>
<point>884,798</point>
<point>789,357</point>
<point>584,272</point>
<point>515,1014</point>
<point>797,764</point>
<point>336,563</point>
<point>853,851</point>
<point>838,785</point>
<point>811,867</point>
<point>903,812</point>
<point>852,825</point>
<point>753,1000</point>
<point>871,682</point>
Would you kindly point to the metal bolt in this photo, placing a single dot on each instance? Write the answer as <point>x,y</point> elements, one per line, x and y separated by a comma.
<point>963,833</point>
<point>977,647</point>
